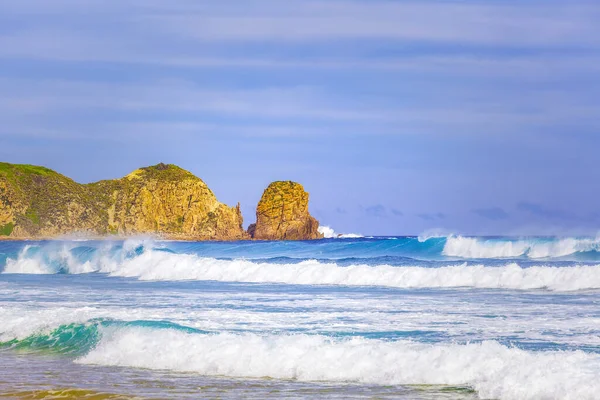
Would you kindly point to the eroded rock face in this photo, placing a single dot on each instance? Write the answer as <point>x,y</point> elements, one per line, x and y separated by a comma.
<point>162,199</point>
<point>282,214</point>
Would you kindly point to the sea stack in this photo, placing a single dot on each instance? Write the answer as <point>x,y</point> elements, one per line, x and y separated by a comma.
<point>282,214</point>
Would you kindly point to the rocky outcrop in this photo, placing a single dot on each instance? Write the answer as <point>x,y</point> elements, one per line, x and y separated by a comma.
<point>163,199</point>
<point>282,214</point>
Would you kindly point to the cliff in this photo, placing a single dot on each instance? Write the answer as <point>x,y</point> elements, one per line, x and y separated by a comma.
<point>282,214</point>
<point>162,199</point>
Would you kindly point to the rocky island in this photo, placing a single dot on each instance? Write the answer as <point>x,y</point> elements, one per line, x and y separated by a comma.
<point>163,200</point>
<point>282,214</point>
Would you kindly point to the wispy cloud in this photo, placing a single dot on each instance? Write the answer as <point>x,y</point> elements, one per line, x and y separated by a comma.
<point>542,211</point>
<point>492,213</point>
<point>547,24</point>
<point>376,210</point>
<point>204,34</point>
<point>31,96</point>
<point>74,46</point>
<point>322,37</point>
<point>432,216</point>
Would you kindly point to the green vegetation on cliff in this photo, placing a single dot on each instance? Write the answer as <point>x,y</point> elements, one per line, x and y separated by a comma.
<point>163,199</point>
<point>12,170</point>
<point>6,230</point>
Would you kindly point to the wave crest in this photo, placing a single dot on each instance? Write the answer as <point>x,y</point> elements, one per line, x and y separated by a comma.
<point>330,233</point>
<point>477,248</point>
<point>494,370</point>
<point>161,265</point>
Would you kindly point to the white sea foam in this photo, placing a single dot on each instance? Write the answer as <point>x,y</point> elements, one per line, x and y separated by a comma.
<point>352,236</point>
<point>494,370</point>
<point>26,265</point>
<point>154,265</point>
<point>166,266</point>
<point>50,264</point>
<point>469,247</point>
<point>57,257</point>
<point>329,233</point>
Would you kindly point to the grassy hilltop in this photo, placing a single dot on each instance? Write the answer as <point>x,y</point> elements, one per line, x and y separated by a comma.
<point>161,199</point>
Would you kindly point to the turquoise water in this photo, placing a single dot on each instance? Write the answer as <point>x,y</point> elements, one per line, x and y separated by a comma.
<point>448,317</point>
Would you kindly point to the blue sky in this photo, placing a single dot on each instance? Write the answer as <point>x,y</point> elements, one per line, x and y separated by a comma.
<point>477,117</point>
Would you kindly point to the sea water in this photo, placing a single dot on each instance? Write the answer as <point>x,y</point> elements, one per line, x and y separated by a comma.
<point>387,317</point>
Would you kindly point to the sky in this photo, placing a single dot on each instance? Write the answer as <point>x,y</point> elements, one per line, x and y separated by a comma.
<point>399,117</point>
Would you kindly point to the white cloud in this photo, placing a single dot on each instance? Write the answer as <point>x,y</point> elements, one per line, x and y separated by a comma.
<point>546,23</point>
<point>543,24</point>
<point>418,94</point>
<point>41,96</point>
<point>186,32</point>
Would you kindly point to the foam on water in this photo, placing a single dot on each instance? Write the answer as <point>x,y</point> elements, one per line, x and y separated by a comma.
<point>166,266</point>
<point>154,265</point>
<point>503,344</point>
<point>107,256</point>
<point>468,247</point>
<point>330,233</point>
<point>495,371</point>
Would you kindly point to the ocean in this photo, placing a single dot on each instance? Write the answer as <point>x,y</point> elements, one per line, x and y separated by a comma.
<point>343,318</point>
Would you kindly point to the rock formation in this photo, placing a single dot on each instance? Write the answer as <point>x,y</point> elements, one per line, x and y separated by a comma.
<point>163,199</point>
<point>282,214</point>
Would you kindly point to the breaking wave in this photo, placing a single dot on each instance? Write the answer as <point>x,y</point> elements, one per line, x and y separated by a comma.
<point>538,248</point>
<point>435,233</point>
<point>492,369</point>
<point>79,338</point>
<point>145,262</point>
<point>329,233</point>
